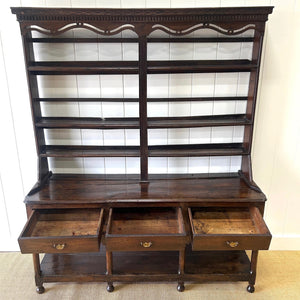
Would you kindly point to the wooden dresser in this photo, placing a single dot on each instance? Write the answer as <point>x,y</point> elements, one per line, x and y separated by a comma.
<point>143,227</point>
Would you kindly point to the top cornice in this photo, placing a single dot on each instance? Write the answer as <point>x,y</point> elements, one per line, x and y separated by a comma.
<point>153,15</point>
<point>178,21</point>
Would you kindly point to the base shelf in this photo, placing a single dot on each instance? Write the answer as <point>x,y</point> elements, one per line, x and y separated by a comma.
<point>147,266</point>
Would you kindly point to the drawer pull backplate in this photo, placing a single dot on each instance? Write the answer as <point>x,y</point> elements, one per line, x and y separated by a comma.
<point>59,246</point>
<point>146,244</point>
<point>232,244</point>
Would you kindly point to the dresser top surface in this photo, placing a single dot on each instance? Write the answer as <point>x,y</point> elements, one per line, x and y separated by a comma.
<point>76,189</point>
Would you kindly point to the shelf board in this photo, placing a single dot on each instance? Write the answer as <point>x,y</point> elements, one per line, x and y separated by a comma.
<point>83,67</point>
<point>87,99</point>
<point>133,123</point>
<point>200,66</point>
<point>183,99</point>
<point>199,121</point>
<point>90,151</point>
<point>179,99</point>
<point>146,266</point>
<point>131,67</point>
<point>194,150</point>
<point>201,40</point>
<point>136,177</point>
<point>190,150</point>
<point>82,40</point>
<point>149,40</point>
<point>88,123</point>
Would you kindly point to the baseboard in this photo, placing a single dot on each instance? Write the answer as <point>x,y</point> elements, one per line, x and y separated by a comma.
<point>287,242</point>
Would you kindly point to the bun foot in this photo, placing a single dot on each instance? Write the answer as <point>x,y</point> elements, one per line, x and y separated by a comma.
<point>110,288</point>
<point>40,289</point>
<point>250,288</point>
<point>180,287</point>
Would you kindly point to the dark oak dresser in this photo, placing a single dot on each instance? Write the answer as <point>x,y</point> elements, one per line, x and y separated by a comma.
<point>110,228</point>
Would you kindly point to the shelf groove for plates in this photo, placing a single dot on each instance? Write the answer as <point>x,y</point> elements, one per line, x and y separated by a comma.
<point>191,150</point>
<point>179,99</point>
<point>194,150</point>
<point>131,67</point>
<point>149,40</point>
<point>133,123</point>
<point>89,151</point>
<point>200,66</point>
<point>88,123</point>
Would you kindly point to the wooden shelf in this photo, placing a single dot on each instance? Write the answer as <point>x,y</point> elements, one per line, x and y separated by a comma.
<point>200,121</point>
<point>82,40</point>
<point>201,40</point>
<point>183,99</point>
<point>215,265</point>
<point>200,66</point>
<point>87,99</point>
<point>179,99</point>
<point>90,151</point>
<point>133,123</point>
<point>149,40</point>
<point>88,123</point>
<point>131,67</point>
<point>229,149</point>
<point>83,67</point>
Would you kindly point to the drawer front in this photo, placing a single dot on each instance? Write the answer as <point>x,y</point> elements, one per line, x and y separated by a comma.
<point>231,243</point>
<point>59,245</point>
<point>145,243</point>
<point>231,229</point>
<point>62,231</point>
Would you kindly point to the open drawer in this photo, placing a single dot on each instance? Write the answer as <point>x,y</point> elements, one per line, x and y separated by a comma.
<point>62,231</point>
<point>145,229</point>
<point>229,229</point>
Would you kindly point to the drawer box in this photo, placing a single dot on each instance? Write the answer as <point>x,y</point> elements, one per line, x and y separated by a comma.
<point>145,229</point>
<point>62,231</point>
<point>229,229</point>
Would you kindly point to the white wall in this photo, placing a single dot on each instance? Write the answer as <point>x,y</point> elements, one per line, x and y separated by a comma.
<point>275,167</point>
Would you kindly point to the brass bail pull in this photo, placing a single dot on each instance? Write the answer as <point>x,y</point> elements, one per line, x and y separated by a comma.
<point>59,246</point>
<point>146,244</point>
<point>232,244</point>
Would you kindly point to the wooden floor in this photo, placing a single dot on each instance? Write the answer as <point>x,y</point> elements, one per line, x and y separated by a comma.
<point>278,278</point>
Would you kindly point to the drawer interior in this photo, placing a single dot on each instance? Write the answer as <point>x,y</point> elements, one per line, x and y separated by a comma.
<point>227,221</point>
<point>135,221</point>
<point>75,222</point>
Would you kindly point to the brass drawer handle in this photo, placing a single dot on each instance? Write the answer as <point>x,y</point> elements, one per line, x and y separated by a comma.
<point>232,244</point>
<point>146,244</point>
<point>59,246</point>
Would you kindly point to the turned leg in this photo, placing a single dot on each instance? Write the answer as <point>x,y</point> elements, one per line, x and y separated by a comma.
<point>180,286</point>
<point>253,264</point>
<point>37,274</point>
<point>110,288</point>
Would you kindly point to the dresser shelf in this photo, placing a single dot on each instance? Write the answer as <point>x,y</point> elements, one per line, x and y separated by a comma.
<point>133,123</point>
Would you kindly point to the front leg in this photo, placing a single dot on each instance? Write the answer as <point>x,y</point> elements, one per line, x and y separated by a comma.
<point>37,274</point>
<point>110,288</point>
<point>253,264</point>
<point>180,286</point>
